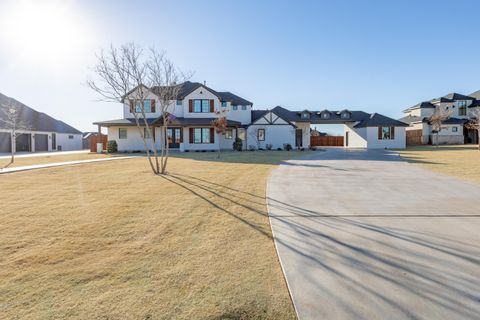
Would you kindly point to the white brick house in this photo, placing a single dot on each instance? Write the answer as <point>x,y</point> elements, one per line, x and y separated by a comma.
<point>194,110</point>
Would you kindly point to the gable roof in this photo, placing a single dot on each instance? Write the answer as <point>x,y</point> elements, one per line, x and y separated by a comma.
<point>475,94</point>
<point>457,96</point>
<point>377,119</point>
<point>411,119</point>
<point>421,105</point>
<point>232,98</point>
<point>34,120</point>
<point>282,113</point>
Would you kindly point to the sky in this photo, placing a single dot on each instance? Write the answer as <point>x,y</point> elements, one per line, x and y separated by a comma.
<point>375,56</point>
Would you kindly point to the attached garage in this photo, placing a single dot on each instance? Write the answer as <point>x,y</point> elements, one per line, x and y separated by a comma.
<point>5,142</point>
<point>41,142</point>
<point>23,142</point>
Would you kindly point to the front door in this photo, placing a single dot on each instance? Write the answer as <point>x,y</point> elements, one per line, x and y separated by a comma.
<point>174,137</point>
<point>298,138</point>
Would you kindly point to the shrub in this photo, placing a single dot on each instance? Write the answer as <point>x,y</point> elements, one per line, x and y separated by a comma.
<point>279,149</point>
<point>251,147</point>
<point>287,146</point>
<point>237,144</point>
<point>112,146</point>
<point>269,146</point>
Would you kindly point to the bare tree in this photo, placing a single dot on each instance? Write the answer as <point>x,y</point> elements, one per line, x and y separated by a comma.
<point>436,120</point>
<point>165,81</point>
<point>11,121</point>
<point>474,124</point>
<point>220,125</point>
<point>122,74</point>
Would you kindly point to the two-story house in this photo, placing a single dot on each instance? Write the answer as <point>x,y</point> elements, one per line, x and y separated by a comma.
<point>191,115</point>
<point>453,129</point>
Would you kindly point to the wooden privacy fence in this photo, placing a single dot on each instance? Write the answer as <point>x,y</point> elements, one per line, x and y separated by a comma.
<point>324,141</point>
<point>94,141</point>
<point>414,137</point>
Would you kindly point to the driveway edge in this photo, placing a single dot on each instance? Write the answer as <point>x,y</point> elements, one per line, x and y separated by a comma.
<point>275,243</point>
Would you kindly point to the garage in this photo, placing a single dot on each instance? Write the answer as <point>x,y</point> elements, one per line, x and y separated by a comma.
<point>23,142</point>
<point>41,142</point>
<point>5,142</point>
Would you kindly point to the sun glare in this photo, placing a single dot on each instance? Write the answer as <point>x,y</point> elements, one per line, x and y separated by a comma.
<point>40,31</point>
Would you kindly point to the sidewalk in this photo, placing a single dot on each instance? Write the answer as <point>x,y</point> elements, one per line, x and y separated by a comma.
<point>58,164</point>
<point>41,154</point>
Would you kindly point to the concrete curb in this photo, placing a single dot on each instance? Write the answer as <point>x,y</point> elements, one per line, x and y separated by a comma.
<point>59,164</point>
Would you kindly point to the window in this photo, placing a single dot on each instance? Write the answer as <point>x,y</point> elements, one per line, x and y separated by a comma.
<point>325,115</point>
<point>201,105</point>
<point>146,134</point>
<point>345,115</point>
<point>229,134</point>
<point>462,103</point>
<point>179,102</point>
<point>70,137</point>
<point>462,110</point>
<point>454,129</point>
<point>122,133</point>
<point>306,115</point>
<point>234,107</point>
<point>201,135</point>
<point>224,104</point>
<point>386,133</point>
<point>244,107</point>
<point>147,106</point>
<point>261,134</point>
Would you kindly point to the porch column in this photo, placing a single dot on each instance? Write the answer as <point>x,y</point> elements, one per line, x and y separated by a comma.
<point>99,140</point>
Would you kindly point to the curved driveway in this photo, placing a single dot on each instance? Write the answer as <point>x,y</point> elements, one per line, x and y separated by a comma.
<point>363,235</point>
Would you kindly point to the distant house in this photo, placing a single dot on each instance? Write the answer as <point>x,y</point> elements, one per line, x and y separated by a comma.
<point>453,130</point>
<point>44,132</point>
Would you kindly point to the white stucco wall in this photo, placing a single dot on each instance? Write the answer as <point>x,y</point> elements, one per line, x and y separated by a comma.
<point>357,137</point>
<point>66,143</point>
<point>277,135</point>
<point>133,142</point>
<point>374,143</point>
<point>305,127</point>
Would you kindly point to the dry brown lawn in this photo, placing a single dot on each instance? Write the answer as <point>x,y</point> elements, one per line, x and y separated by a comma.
<point>112,241</point>
<point>26,161</point>
<point>462,161</point>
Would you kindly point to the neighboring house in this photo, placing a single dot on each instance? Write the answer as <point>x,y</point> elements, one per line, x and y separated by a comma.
<point>194,110</point>
<point>453,130</point>
<point>44,132</point>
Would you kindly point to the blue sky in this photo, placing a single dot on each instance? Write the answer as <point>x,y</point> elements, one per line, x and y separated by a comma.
<point>377,56</point>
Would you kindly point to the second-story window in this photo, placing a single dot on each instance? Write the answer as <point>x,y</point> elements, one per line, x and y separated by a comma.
<point>244,107</point>
<point>224,104</point>
<point>234,107</point>
<point>179,102</point>
<point>462,110</point>
<point>201,105</point>
<point>148,106</point>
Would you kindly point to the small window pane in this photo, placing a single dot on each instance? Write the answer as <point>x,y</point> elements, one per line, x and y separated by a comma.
<point>138,106</point>
<point>205,105</point>
<point>229,134</point>
<point>179,102</point>
<point>147,106</point>
<point>122,133</point>
<point>197,135</point>
<point>234,107</point>
<point>261,134</point>
<point>205,135</point>
<point>244,107</point>
<point>197,105</point>
<point>224,104</point>
<point>145,133</point>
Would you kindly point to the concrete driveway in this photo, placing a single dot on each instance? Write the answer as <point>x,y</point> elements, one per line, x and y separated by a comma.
<point>364,235</point>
